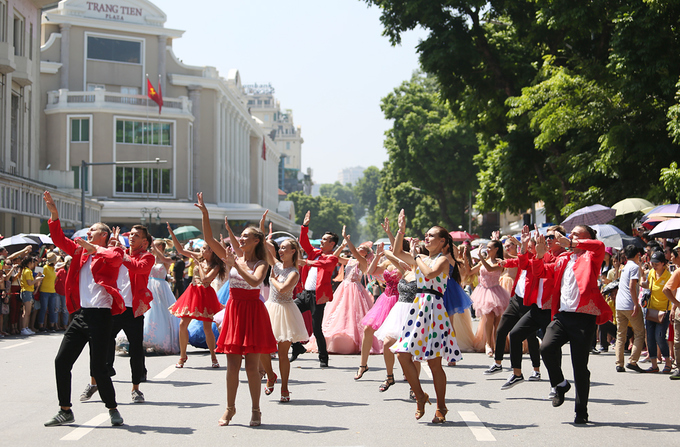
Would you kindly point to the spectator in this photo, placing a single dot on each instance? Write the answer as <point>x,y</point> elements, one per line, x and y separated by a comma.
<point>656,330</point>
<point>28,284</point>
<point>48,296</point>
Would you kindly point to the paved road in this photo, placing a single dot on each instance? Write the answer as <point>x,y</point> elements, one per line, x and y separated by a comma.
<point>329,408</point>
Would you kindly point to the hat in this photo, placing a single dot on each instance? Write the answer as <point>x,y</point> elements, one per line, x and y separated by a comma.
<point>51,258</point>
<point>609,250</point>
<point>658,256</point>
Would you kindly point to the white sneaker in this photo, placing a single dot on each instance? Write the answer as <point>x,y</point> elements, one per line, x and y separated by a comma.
<point>26,331</point>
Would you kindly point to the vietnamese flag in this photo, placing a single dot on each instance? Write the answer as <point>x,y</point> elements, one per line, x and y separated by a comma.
<point>155,96</point>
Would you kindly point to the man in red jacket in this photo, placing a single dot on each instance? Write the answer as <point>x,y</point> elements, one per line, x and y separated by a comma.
<point>577,308</point>
<point>92,297</point>
<point>133,279</point>
<point>316,277</point>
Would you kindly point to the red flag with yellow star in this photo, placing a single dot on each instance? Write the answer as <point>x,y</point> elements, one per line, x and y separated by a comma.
<point>154,95</point>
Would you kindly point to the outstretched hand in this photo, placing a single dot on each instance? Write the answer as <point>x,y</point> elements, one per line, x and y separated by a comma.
<point>51,206</point>
<point>386,225</point>
<point>305,221</point>
<point>402,220</point>
<point>200,204</point>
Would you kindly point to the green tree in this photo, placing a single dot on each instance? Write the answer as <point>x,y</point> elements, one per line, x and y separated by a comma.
<point>344,194</point>
<point>327,214</point>
<point>430,151</point>
<point>366,191</point>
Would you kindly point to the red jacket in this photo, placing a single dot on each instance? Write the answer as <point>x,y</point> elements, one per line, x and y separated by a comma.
<point>521,262</point>
<point>60,282</point>
<point>139,268</point>
<point>324,263</point>
<point>105,265</point>
<point>586,270</point>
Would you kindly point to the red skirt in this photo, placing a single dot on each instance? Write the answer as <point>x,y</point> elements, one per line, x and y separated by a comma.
<point>197,303</point>
<point>246,328</point>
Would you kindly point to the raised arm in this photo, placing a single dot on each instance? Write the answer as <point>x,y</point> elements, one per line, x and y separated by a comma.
<point>396,262</point>
<point>397,247</point>
<point>213,243</point>
<point>178,247</point>
<point>363,265</point>
<point>386,226</point>
<point>161,256</point>
<point>286,286</point>
<point>253,278</point>
<point>341,246</point>
<point>373,268</point>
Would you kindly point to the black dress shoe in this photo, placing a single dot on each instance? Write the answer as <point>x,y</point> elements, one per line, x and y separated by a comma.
<point>620,369</point>
<point>560,391</point>
<point>323,363</point>
<point>635,367</point>
<point>297,350</point>
<point>580,420</point>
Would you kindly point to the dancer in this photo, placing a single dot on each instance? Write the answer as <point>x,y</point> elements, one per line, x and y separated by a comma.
<point>286,319</point>
<point>246,331</point>
<point>390,330</point>
<point>538,296</point>
<point>133,277</point>
<point>523,287</point>
<point>316,276</point>
<point>456,301</point>
<point>92,297</point>
<point>199,300</point>
<point>577,310</point>
<point>427,334</point>
<point>161,328</point>
<point>489,298</point>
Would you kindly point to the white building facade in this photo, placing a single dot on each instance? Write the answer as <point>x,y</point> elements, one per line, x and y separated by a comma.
<point>141,164</point>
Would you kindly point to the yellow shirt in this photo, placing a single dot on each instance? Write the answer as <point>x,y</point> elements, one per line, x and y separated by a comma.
<point>26,275</point>
<point>190,267</point>
<point>50,276</point>
<point>658,300</point>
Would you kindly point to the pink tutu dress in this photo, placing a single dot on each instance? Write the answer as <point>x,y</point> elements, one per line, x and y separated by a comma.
<point>342,317</point>
<point>489,296</point>
<point>376,316</point>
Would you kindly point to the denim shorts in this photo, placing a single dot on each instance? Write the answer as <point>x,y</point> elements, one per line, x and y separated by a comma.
<point>26,297</point>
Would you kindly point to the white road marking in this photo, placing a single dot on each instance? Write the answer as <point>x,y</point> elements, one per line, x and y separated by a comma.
<point>424,367</point>
<point>166,372</point>
<point>87,427</point>
<point>476,426</point>
<point>17,345</point>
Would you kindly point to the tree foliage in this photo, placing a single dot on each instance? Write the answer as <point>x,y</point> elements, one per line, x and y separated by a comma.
<point>573,103</point>
<point>430,169</point>
<point>327,214</point>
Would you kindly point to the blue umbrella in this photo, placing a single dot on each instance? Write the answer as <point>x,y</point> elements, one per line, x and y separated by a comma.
<point>589,215</point>
<point>673,208</point>
<point>667,228</point>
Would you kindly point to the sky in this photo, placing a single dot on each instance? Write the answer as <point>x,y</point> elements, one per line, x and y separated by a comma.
<point>326,59</point>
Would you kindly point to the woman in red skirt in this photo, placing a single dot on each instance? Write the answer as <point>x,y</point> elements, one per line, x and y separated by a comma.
<point>246,331</point>
<point>199,301</point>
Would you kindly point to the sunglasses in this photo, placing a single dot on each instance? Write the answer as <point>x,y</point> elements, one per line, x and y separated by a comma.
<point>549,237</point>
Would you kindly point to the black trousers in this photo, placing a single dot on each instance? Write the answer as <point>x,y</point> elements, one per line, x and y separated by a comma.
<point>526,327</point>
<point>607,328</point>
<point>516,309</point>
<point>306,300</point>
<point>93,327</point>
<point>134,331</point>
<point>578,330</point>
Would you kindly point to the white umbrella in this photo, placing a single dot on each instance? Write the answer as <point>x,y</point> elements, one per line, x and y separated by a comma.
<point>610,235</point>
<point>17,240</point>
<point>631,205</point>
<point>82,233</point>
<point>41,238</point>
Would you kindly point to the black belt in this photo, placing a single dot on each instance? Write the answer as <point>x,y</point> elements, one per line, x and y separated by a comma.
<point>432,291</point>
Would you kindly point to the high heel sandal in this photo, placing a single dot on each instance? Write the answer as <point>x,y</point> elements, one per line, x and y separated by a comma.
<point>285,397</point>
<point>440,416</point>
<point>226,417</point>
<point>360,373</point>
<point>256,418</point>
<point>387,383</point>
<point>215,363</point>
<point>181,362</point>
<point>268,389</point>
<point>421,412</point>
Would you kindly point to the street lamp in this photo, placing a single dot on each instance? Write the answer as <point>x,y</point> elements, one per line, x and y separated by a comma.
<point>83,167</point>
<point>150,212</point>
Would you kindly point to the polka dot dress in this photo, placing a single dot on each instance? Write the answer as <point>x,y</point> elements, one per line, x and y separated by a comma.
<point>427,333</point>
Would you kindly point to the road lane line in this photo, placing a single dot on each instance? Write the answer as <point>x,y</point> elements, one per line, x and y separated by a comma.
<point>426,368</point>
<point>87,427</point>
<point>166,372</point>
<point>476,426</point>
<point>17,345</point>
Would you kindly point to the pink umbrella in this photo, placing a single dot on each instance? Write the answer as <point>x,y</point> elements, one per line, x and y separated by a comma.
<point>462,236</point>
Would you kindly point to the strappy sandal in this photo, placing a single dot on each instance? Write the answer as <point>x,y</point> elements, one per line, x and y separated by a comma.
<point>360,373</point>
<point>666,370</point>
<point>181,362</point>
<point>226,417</point>
<point>652,370</point>
<point>268,389</point>
<point>285,397</point>
<point>420,409</point>
<point>215,363</point>
<point>411,394</point>
<point>387,383</point>
<point>440,416</point>
<point>256,418</point>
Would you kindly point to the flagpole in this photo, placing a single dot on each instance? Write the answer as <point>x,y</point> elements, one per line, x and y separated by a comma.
<point>160,134</point>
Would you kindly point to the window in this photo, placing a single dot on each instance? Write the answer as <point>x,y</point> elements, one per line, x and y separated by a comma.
<point>19,32</point>
<point>287,145</point>
<point>143,180</point>
<point>76,177</point>
<point>141,132</point>
<point>93,87</point>
<point>3,21</point>
<point>266,117</point>
<point>114,50</point>
<point>80,130</point>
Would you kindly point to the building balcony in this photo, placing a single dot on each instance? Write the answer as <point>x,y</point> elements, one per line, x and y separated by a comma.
<point>7,64</point>
<point>24,71</point>
<point>100,100</point>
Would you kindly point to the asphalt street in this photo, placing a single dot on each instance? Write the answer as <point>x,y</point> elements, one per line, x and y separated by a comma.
<point>328,407</point>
